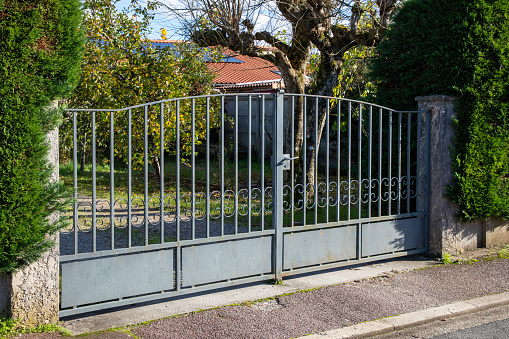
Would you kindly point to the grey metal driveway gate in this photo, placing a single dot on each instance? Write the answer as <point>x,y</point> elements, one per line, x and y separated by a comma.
<point>233,203</point>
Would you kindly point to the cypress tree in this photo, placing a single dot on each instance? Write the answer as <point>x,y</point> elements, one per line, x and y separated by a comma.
<point>458,48</point>
<point>40,53</point>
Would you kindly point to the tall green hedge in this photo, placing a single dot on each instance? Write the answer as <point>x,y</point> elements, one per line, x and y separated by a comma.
<point>458,48</point>
<point>40,53</point>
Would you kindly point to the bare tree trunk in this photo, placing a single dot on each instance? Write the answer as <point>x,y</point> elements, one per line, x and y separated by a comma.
<point>157,167</point>
<point>313,153</point>
<point>83,153</point>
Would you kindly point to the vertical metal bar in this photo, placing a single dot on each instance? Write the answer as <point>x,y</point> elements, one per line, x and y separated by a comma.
<point>161,168</point>
<point>94,198</point>
<point>327,161</point>
<point>277,184</point>
<point>292,155</point>
<point>304,160</point>
<point>208,168</point>
<point>193,168</point>
<point>349,164</point>
<point>236,160</point>
<point>145,176</point>
<point>399,161</point>
<point>249,123</point>
<point>75,180</point>
<point>129,177</point>
<point>112,183</point>
<point>390,163</point>
<point>315,184</point>
<point>380,164</point>
<point>408,175</point>
<point>359,196</point>
<point>418,164</point>
<point>359,151</point>
<point>262,210</point>
<point>178,268</point>
<point>177,170</point>
<point>222,166</point>
<point>370,156</point>
<point>338,143</point>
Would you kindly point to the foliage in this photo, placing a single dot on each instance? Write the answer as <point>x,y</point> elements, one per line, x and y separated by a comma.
<point>457,48</point>
<point>447,259</point>
<point>7,326</point>
<point>504,253</point>
<point>40,52</point>
<point>10,327</point>
<point>353,82</point>
<point>123,69</point>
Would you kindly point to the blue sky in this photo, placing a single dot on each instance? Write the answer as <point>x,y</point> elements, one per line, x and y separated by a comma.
<point>160,21</point>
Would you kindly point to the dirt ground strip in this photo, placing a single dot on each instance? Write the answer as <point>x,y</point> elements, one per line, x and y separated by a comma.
<point>334,306</point>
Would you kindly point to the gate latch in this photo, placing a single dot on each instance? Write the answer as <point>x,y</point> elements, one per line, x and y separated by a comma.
<point>286,161</point>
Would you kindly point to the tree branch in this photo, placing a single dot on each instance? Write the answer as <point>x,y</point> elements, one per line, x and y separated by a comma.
<point>273,41</point>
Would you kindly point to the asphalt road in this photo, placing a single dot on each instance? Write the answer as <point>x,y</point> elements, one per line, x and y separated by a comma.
<point>497,329</point>
<point>491,323</point>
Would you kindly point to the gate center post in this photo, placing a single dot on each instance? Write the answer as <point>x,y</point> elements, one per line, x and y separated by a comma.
<point>277,184</point>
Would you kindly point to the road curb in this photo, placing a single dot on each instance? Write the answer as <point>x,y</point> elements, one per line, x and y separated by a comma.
<point>399,322</point>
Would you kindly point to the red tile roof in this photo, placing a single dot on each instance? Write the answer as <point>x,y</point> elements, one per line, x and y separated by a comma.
<point>170,41</point>
<point>252,69</point>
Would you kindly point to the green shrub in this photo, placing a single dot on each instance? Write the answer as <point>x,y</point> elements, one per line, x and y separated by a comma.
<point>40,53</point>
<point>458,48</point>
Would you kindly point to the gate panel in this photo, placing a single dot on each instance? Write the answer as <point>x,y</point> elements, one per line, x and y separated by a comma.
<point>392,236</point>
<point>302,249</point>
<point>90,281</point>
<point>226,260</point>
<point>210,191</point>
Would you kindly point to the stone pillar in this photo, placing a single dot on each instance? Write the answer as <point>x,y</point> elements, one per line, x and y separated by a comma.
<point>446,232</point>
<point>32,294</point>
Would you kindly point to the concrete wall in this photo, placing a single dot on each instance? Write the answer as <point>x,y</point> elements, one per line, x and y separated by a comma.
<point>447,232</point>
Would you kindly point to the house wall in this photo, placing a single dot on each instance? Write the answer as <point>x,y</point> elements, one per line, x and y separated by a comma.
<point>257,116</point>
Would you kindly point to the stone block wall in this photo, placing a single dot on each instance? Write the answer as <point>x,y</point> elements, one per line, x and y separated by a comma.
<point>447,234</point>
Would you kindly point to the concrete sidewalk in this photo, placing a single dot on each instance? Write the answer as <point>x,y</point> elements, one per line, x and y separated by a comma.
<point>399,322</point>
<point>361,301</point>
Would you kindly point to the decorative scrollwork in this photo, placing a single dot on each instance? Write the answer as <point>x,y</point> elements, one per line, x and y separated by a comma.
<point>170,208</point>
<point>84,216</point>
<point>299,191</point>
<point>365,196</point>
<point>375,185</point>
<point>386,183</point>
<point>256,201</point>
<point>215,205</point>
<point>321,194</point>
<point>394,188</point>
<point>354,191</point>
<point>137,215</point>
<point>310,195</point>
<point>287,193</point>
<point>333,193</point>
<point>343,191</point>
<point>243,207</point>
<point>268,200</point>
<point>200,200</point>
